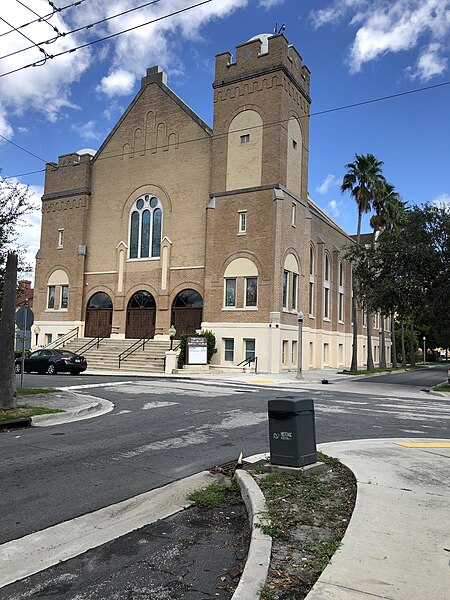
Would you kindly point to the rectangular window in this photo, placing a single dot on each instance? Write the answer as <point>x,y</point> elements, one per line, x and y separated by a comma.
<point>341,354</point>
<point>326,354</point>
<point>51,296</point>
<point>230,292</point>
<point>326,303</point>
<point>294,291</point>
<point>249,349</point>
<point>251,291</point>
<point>48,338</point>
<point>284,352</point>
<point>311,298</point>
<point>285,288</point>
<point>229,349</point>
<point>60,238</point>
<point>245,138</point>
<point>64,296</point>
<point>293,214</point>
<point>294,354</point>
<point>242,221</point>
<point>341,306</point>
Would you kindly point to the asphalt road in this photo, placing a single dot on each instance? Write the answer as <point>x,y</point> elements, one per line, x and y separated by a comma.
<point>163,430</point>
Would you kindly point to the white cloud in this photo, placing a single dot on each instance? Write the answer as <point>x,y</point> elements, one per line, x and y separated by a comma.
<point>87,130</point>
<point>442,201</point>
<point>5,128</point>
<point>334,207</point>
<point>329,181</point>
<point>266,4</point>
<point>117,83</point>
<point>430,63</point>
<point>393,26</point>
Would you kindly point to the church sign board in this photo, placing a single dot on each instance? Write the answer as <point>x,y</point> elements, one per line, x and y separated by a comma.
<point>197,351</point>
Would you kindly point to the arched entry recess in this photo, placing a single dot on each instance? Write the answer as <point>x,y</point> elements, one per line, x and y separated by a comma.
<point>187,312</point>
<point>99,312</point>
<point>141,316</point>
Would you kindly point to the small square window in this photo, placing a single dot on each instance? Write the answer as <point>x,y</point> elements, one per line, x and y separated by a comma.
<point>242,228</point>
<point>245,138</point>
<point>60,238</point>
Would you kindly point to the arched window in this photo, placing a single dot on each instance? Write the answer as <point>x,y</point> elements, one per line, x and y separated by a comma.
<point>326,286</point>
<point>290,283</point>
<point>241,273</point>
<point>146,227</point>
<point>58,291</point>
<point>244,155</point>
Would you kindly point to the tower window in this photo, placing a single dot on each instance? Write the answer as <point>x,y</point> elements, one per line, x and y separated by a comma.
<point>242,226</point>
<point>245,138</point>
<point>294,144</point>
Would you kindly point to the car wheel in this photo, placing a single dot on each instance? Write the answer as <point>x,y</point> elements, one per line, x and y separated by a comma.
<point>17,368</point>
<point>51,369</point>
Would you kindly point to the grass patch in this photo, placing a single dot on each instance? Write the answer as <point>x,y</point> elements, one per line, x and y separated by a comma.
<point>25,410</point>
<point>33,391</point>
<point>443,387</point>
<point>216,495</point>
<point>308,518</point>
<point>368,371</point>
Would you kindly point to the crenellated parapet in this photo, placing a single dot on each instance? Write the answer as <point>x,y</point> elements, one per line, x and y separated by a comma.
<point>260,56</point>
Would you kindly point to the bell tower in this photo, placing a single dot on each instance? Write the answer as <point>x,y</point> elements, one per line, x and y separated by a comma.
<point>261,118</point>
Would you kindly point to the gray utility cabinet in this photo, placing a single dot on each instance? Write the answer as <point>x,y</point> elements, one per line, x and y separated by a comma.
<point>292,431</point>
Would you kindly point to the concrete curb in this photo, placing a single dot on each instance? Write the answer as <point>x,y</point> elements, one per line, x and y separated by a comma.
<point>256,567</point>
<point>37,551</point>
<point>95,408</point>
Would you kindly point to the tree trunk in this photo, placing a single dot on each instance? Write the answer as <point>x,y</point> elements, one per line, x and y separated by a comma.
<point>411,343</point>
<point>354,365</point>
<point>403,345</point>
<point>370,364</point>
<point>383,363</point>
<point>394,343</point>
<point>8,397</point>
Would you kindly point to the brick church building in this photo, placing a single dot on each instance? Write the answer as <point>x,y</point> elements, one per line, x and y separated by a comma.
<point>172,222</point>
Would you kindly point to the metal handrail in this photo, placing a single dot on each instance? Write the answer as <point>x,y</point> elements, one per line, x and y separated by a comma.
<point>63,339</point>
<point>248,362</point>
<point>131,349</point>
<point>91,343</point>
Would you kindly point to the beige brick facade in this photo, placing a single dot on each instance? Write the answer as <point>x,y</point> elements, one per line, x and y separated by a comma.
<point>168,205</point>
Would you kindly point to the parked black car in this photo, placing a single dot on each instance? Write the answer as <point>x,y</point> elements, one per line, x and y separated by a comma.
<point>52,362</point>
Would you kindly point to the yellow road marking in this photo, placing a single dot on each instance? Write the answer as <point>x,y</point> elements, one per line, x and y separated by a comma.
<point>424,444</point>
<point>261,381</point>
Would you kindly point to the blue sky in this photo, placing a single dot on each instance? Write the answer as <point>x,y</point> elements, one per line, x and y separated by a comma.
<point>356,50</point>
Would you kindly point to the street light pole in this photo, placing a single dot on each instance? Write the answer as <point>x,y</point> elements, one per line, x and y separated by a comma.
<point>299,345</point>
<point>424,349</point>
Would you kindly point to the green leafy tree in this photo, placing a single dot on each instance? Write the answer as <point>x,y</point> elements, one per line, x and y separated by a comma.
<point>15,204</point>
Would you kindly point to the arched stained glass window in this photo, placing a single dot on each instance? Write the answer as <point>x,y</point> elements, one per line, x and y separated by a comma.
<point>146,228</point>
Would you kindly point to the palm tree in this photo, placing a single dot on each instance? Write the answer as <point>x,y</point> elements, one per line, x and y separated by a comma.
<point>362,181</point>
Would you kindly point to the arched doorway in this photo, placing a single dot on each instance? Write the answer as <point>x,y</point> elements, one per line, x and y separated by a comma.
<point>99,313</point>
<point>141,316</point>
<point>187,312</point>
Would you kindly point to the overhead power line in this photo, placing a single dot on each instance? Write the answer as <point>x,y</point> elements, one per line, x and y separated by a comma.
<point>40,18</point>
<point>43,18</point>
<point>191,140</point>
<point>85,27</point>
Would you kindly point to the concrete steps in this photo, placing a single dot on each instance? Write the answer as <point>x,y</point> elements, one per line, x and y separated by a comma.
<point>106,356</point>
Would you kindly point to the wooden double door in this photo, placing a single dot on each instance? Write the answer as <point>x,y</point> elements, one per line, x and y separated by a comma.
<point>141,316</point>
